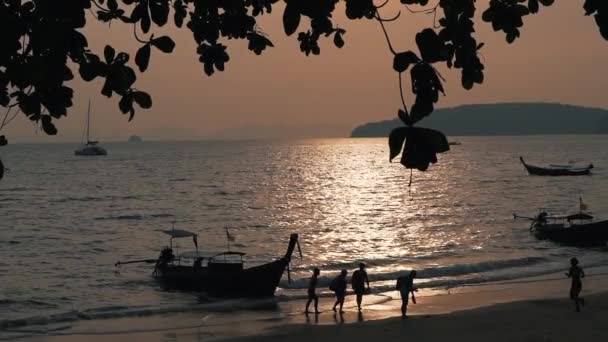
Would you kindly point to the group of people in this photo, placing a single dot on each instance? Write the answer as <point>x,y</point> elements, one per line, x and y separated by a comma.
<point>405,286</point>
<point>359,280</point>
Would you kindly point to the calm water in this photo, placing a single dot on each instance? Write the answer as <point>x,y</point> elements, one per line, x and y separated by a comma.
<point>65,220</point>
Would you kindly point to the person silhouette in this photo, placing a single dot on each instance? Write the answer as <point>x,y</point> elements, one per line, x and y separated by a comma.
<point>312,291</point>
<point>405,286</point>
<point>338,285</point>
<point>358,281</point>
<point>576,273</point>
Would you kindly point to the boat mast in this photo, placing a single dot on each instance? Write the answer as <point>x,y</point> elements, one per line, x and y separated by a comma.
<point>88,121</point>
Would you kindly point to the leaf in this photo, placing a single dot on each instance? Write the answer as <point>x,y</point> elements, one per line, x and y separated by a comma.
<point>109,54</point>
<point>164,44</point>
<point>429,45</point>
<point>122,58</point>
<point>402,60</point>
<point>437,140</point>
<point>47,125</point>
<point>338,41</point>
<point>421,148</point>
<point>533,6</point>
<point>125,104</point>
<point>142,58</point>
<point>547,2</point>
<point>143,99</point>
<point>112,5</point>
<point>159,11</point>
<point>395,141</point>
<point>291,19</point>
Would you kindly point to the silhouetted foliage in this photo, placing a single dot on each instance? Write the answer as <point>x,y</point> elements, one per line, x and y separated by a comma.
<point>42,42</point>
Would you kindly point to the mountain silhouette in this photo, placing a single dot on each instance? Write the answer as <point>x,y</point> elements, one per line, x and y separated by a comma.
<point>503,119</point>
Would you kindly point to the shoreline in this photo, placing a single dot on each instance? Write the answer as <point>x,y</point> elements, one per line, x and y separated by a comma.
<point>544,296</point>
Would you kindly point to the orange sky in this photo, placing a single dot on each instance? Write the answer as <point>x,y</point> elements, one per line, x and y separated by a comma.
<point>561,57</point>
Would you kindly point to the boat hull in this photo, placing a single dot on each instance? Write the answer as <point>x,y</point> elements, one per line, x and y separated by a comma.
<point>91,151</point>
<point>259,281</point>
<point>588,234</point>
<point>554,171</point>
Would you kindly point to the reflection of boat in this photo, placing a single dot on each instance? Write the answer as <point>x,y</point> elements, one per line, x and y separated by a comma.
<point>90,148</point>
<point>557,170</point>
<point>220,274</point>
<point>577,229</point>
<point>454,143</point>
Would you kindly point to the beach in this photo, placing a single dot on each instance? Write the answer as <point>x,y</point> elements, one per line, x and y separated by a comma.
<point>532,309</point>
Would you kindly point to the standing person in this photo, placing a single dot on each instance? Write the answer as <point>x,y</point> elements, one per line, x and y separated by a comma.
<point>576,273</point>
<point>338,285</point>
<point>358,281</point>
<point>312,290</point>
<point>405,286</point>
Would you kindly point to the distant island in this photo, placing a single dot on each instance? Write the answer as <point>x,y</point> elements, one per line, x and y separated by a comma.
<point>503,119</point>
<point>135,138</point>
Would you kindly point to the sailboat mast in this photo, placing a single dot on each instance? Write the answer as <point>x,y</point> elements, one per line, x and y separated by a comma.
<point>88,121</point>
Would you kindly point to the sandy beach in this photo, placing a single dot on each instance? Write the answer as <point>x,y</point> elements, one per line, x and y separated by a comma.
<point>533,309</point>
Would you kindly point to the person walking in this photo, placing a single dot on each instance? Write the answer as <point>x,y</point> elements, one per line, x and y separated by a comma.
<point>358,281</point>
<point>405,286</point>
<point>312,291</point>
<point>338,285</point>
<point>576,273</point>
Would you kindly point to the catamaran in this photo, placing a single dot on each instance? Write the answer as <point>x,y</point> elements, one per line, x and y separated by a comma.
<point>90,148</point>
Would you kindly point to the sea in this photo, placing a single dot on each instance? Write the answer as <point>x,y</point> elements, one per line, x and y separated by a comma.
<point>66,220</point>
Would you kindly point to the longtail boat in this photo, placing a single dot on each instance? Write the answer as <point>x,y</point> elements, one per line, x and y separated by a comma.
<point>221,274</point>
<point>556,170</point>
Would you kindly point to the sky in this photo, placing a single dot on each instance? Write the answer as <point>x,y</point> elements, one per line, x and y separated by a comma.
<point>560,57</point>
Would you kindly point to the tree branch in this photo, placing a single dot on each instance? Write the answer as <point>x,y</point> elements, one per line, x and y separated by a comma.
<point>388,40</point>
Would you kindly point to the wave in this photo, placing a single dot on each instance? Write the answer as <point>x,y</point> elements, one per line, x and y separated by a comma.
<point>120,217</point>
<point>76,199</point>
<point>162,215</point>
<point>432,272</point>
<point>135,311</point>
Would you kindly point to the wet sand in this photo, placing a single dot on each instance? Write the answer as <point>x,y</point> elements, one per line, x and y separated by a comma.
<point>534,309</point>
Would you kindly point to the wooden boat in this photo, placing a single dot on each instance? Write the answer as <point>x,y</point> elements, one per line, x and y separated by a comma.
<point>221,274</point>
<point>557,170</point>
<point>578,229</point>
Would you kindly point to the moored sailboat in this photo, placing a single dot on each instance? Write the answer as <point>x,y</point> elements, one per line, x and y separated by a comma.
<point>90,148</point>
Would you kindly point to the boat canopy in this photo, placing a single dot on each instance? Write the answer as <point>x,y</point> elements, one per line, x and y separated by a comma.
<point>179,233</point>
<point>579,216</point>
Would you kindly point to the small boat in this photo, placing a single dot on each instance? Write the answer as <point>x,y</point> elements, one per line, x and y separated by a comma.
<point>90,148</point>
<point>557,170</point>
<point>454,143</point>
<point>222,274</point>
<point>579,229</point>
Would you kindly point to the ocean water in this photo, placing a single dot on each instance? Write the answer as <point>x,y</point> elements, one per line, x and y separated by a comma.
<point>65,220</point>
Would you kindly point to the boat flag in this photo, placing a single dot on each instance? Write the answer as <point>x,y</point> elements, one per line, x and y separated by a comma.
<point>229,236</point>
<point>582,205</point>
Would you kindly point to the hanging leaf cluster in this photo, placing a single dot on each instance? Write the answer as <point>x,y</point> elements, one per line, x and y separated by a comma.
<point>44,43</point>
<point>507,15</point>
